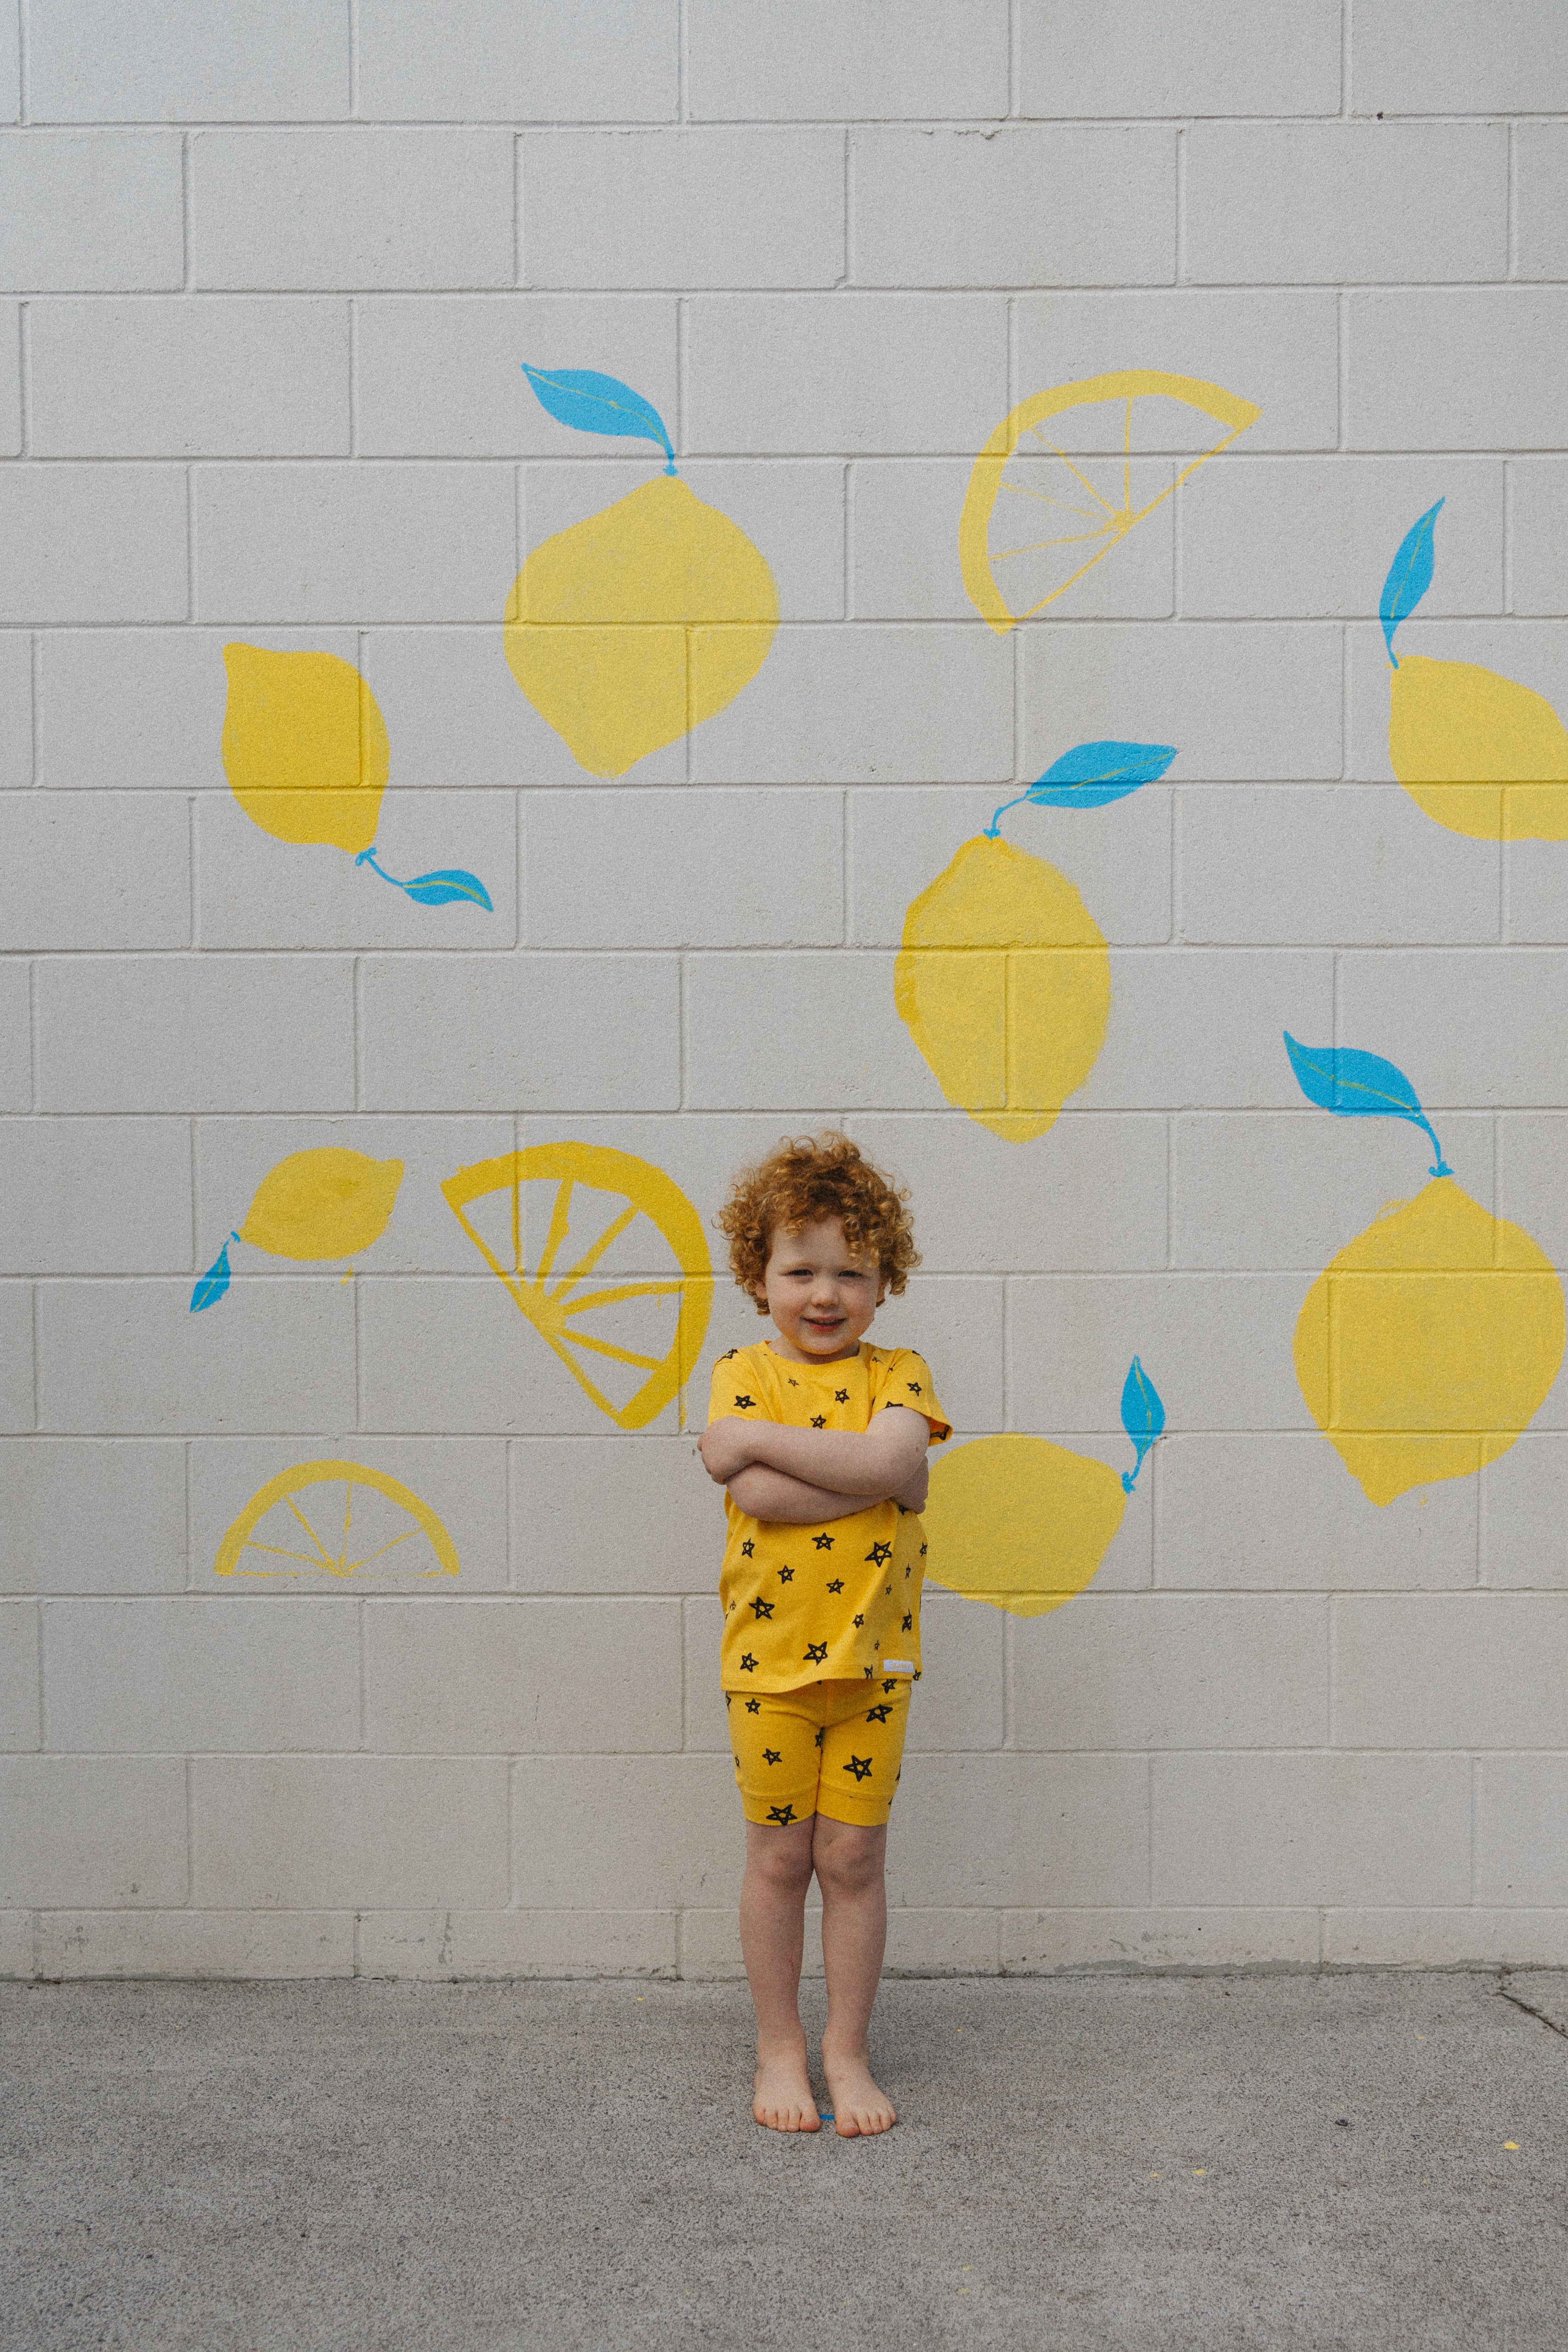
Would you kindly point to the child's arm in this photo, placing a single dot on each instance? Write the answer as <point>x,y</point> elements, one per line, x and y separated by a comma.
<point>873,1464</point>
<point>764,1494</point>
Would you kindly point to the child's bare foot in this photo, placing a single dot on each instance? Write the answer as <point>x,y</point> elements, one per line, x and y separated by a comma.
<point>784,2098</point>
<point>859,2108</point>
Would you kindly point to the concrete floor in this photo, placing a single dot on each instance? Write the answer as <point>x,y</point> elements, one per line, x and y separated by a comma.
<point>1190,2163</point>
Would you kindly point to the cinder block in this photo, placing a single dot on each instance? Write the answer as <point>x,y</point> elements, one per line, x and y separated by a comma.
<point>1071,1338</point>
<point>21,1716</point>
<point>1411,58</point>
<point>527,1032</point>
<point>159,1675</point>
<point>85,212</point>
<point>872,374</point>
<point>354,542</point>
<point>666,1513</point>
<point>365,1832</point>
<point>456,1677</point>
<point>682,208</point>
<point>1093,1201</point>
<point>88,61</point>
<point>705,1706</point>
<point>1472,1670</point>
<point>1256,1828</point>
<point>961,1700</point>
<point>1541,196</point>
<point>925,1943</point>
<point>16,1036</point>
<point>862,705</point>
<point>1524,1540</point>
<point>17,1410</point>
<point>93,542</point>
<point>16,711</point>
<point>1330,865</point>
<point>93,1515</point>
<point>1041,1943</point>
<point>861,62</point>
<point>590,1832</point>
<point>252,1944</point>
<point>355,206</point>
<point>709,1945</point>
<point>1466,1937</point>
<point>17,1945</point>
<point>1279,348</point>
<point>92,1830</point>
<point>988,1831</point>
<point>129,1357</point>
<point>457,1355</point>
<point>214,1033</point>
<point>455,1945</point>
<point>1122,1671</point>
<point>903,544</point>
<point>957,1325</point>
<point>540,61</point>
<point>1217,57</point>
<point>829,1026</point>
<point>672,869</point>
<point>167,376</point>
<point>1531,653</point>
<point>1248,701</point>
<point>1496,1045</point>
<point>98,870</point>
<point>1317,535</point>
<point>1538,517</point>
<point>966,209</point>
<point>1521,1824</point>
<point>255,892</point>
<point>1456,369</point>
<point>1333,202</point>
<point>95,1195</point>
<point>462,1480</point>
<point>1174,1042</point>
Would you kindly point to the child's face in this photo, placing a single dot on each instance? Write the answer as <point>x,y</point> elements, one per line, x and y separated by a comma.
<point>821,1296</point>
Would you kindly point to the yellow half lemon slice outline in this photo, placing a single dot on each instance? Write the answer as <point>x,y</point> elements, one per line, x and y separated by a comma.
<point>349,1474</point>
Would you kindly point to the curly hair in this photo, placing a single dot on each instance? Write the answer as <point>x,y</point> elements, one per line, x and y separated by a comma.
<point>807,1178</point>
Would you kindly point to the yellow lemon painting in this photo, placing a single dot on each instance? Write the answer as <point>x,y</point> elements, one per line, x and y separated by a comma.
<point>632,626</point>
<point>335,1518</point>
<point>1478,752</point>
<point>1022,1524</point>
<point>1429,1342</point>
<point>330,1204</point>
<point>1004,975</point>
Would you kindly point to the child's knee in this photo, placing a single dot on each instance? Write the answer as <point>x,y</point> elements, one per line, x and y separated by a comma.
<point>780,1861</point>
<point>847,1858</point>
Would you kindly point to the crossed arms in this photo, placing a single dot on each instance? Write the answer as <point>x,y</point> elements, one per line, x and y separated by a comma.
<point>807,1475</point>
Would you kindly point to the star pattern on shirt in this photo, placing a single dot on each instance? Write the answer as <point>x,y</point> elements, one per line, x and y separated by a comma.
<point>909,1621</point>
<point>878,1553</point>
<point>860,1766</point>
<point>819,1421</point>
<point>913,1387</point>
<point>821,1733</point>
<point>880,1713</point>
<point>762,1608</point>
<point>923,1551</point>
<point>728,1697</point>
<point>823,1543</point>
<point>859,1620</point>
<point>753,1706</point>
<point>815,1653</point>
<point>772,1756</point>
<point>783,1813</point>
<point>793,1383</point>
<point>840,1396</point>
<point>890,1687</point>
<point>745,1404</point>
<point>748,1663</point>
<point>787,1575</point>
<point>836,1585</point>
<point>728,1353</point>
<point>748,1548</point>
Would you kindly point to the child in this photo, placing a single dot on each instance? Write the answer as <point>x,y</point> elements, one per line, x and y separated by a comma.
<point>821,1444</point>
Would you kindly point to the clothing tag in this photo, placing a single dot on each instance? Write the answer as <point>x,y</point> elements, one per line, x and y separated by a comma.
<point>898,1665</point>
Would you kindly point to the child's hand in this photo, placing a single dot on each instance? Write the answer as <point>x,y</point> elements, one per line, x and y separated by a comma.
<point>912,1495</point>
<point>726,1446</point>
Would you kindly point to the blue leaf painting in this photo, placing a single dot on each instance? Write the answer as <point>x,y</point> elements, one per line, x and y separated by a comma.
<point>1090,774</point>
<point>438,890</point>
<point>214,1282</point>
<point>1143,1417</point>
<point>1409,576</point>
<point>591,403</point>
<point>1354,1084</point>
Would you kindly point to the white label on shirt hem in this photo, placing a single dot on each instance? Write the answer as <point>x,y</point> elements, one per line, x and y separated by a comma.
<point>899,1665</point>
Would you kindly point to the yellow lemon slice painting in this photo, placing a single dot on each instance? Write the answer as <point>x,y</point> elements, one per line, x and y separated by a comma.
<point>1004,975</point>
<point>315,1204</point>
<point>1068,475</point>
<point>1481,754</point>
<point>632,1338</point>
<point>306,753</point>
<point>335,1518</point>
<point>1428,1344</point>
<point>631,627</point>
<point>1022,1524</point>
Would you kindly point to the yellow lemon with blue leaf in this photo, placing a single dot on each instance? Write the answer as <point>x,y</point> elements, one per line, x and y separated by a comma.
<point>632,626</point>
<point>330,1204</point>
<point>1428,1344</point>
<point>1004,975</point>
<point>1482,754</point>
<point>1022,1524</point>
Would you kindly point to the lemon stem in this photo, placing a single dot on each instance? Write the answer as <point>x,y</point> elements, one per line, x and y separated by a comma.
<point>991,829</point>
<point>367,858</point>
<point>1442,1169</point>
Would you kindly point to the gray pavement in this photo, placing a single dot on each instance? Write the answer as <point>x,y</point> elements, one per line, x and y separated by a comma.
<point>1197,2163</point>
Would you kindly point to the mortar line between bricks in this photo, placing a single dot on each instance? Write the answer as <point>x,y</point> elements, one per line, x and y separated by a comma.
<point>353,59</point>
<point>682,65</point>
<point>1346,7</point>
<point>1180,239</point>
<point>1474,1825</point>
<point>1513,263</point>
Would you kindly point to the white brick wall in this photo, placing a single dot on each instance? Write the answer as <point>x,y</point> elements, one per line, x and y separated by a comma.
<point>265,283</point>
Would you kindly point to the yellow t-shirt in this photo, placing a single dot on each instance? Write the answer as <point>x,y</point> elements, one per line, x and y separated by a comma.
<point>837,1601</point>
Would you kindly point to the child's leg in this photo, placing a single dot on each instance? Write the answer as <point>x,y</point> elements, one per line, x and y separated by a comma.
<point>773,1910</point>
<point>848,1859</point>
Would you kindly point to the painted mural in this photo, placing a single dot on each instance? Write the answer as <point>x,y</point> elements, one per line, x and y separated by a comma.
<point>313,1205</point>
<point>335,1518</point>
<point>1428,1344</point>
<point>631,627</point>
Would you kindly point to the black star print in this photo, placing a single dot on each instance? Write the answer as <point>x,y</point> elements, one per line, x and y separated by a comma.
<point>908,1619</point>
<point>923,1551</point>
<point>878,1553</point>
<point>869,1672</point>
<point>840,1396</point>
<point>794,1384</point>
<point>753,1706</point>
<point>787,1575</point>
<point>815,1653</point>
<point>888,1686</point>
<point>772,1756</point>
<point>913,1387</point>
<point>748,1548</point>
<point>728,1697</point>
<point>859,1620</point>
<point>822,1735</point>
<point>746,1403</point>
<point>819,1421</point>
<point>728,1353</point>
<point>860,1766</point>
<point>879,1714</point>
<point>761,1609</point>
<point>784,1813</point>
<point>748,1663</point>
<point>906,1567</point>
<point>836,1585</point>
<point>823,1543</point>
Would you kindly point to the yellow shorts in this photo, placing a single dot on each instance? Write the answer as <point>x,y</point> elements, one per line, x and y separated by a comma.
<point>828,1748</point>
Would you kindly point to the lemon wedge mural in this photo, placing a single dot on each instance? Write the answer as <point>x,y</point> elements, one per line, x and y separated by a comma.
<point>630,628</point>
<point>1429,1343</point>
<point>335,1518</point>
<point>314,1204</point>
<point>1023,1524</point>
<point>1481,754</point>
<point>1003,976</point>
<point>576,1207</point>
<point>1052,492</point>
<point>306,753</point>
